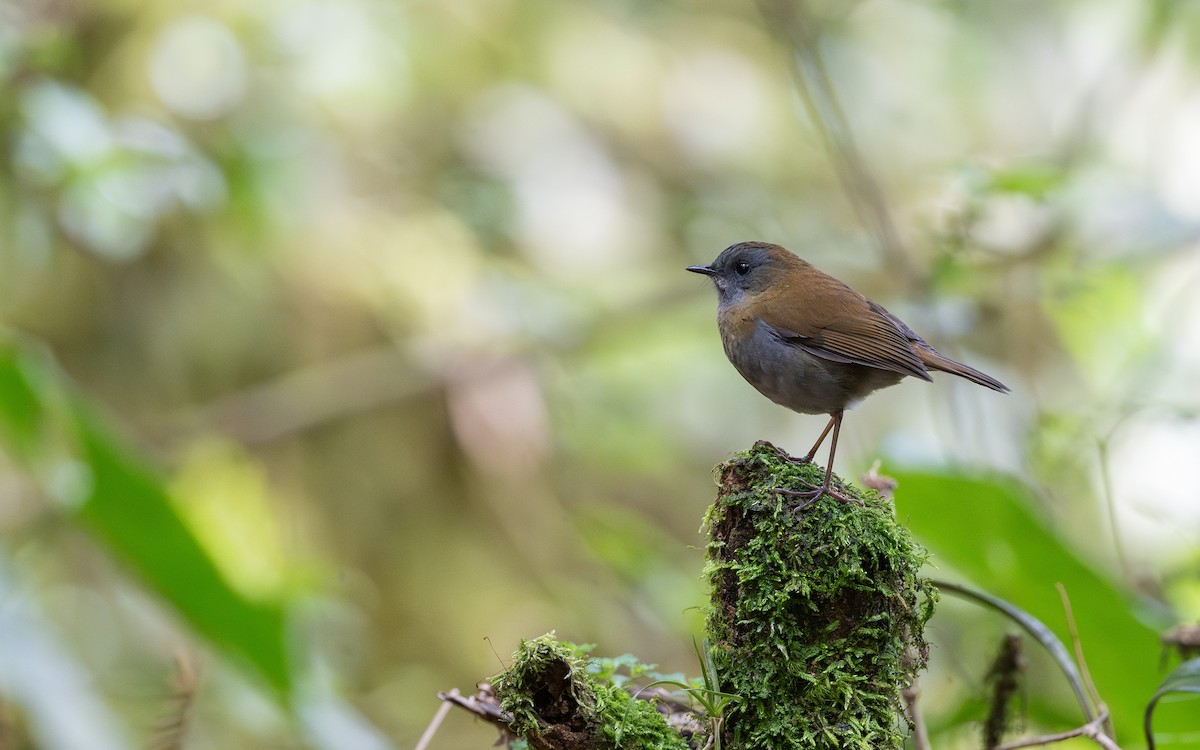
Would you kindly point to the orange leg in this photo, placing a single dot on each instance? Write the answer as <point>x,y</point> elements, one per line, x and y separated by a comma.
<point>812,453</point>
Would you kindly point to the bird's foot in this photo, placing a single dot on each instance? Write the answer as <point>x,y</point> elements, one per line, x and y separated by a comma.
<point>808,497</point>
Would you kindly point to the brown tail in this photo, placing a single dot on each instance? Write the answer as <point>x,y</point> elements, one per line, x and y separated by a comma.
<point>935,361</point>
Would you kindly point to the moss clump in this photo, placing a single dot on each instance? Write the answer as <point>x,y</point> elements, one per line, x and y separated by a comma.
<point>817,617</point>
<point>557,702</point>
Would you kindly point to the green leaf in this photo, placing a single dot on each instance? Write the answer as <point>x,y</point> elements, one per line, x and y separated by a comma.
<point>126,506</point>
<point>1035,179</point>
<point>21,411</point>
<point>129,508</point>
<point>1098,317</point>
<point>984,528</point>
<point>1184,679</point>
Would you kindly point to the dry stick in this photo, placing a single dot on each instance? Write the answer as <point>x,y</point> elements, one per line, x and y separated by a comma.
<point>1091,730</point>
<point>483,704</point>
<point>427,735</point>
<point>1083,667</point>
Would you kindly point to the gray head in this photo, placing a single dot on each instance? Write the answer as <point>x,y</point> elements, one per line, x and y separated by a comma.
<point>747,268</point>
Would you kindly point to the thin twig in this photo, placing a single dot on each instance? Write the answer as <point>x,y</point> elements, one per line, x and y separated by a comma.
<point>310,396</point>
<point>372,378</point>
<point>1077,643</point>
<point>172,727</point>
<point>910,694</point>
<point>427,735</point>
<point>1091,730</point>
<point>483,704</point>
<point>1037,629</point>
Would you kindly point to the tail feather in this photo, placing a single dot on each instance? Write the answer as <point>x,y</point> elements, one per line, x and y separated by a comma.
<point>935,361</point>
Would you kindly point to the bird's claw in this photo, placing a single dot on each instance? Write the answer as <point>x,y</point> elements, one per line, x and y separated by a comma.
<point>809,497</point>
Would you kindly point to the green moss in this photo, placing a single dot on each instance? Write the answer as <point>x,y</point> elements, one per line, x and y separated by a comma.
<point>817,617</point>
<point>557,700</point>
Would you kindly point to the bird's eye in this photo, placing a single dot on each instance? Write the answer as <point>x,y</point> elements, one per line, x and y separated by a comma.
<point>741,267</point>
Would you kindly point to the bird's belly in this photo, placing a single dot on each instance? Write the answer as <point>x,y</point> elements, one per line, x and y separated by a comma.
<point>803,384</point>
<point>793,377</point>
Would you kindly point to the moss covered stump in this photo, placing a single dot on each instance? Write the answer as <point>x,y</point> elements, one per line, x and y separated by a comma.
<point>556,701</point>
<point>817,617</point>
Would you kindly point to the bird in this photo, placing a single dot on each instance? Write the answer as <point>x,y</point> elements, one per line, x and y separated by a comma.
<point>809,342</point>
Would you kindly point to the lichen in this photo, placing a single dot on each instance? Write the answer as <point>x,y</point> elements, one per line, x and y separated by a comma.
<point>556,702</point>
<point>817,616</point>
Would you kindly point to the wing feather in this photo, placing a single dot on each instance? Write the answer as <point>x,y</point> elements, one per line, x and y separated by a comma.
<point>832,321</point>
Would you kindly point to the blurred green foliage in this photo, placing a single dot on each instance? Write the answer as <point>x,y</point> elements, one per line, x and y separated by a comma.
<point>128,507</point>
<point>340,335</point>
<point>982,528</point>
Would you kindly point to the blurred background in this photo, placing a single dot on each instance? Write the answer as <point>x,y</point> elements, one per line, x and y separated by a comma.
<point>353,337</point>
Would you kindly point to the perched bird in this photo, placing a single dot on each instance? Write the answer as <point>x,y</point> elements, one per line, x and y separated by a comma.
<point>811,343</point>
